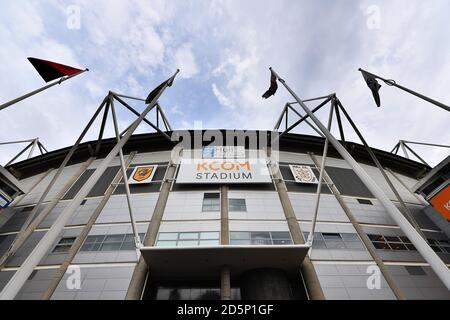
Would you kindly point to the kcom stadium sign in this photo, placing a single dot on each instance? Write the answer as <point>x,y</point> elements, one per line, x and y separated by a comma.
<point>223,171</point>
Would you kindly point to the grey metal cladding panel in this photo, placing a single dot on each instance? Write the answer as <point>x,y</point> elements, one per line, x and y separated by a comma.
<point>348,183</point>
<point>5,242</point>
<point>420,216</point>
<point>5,276</point>
<point>15,222</point>
<point>26,249</point>
<point>36,285</point>
<point>104,182</point>
<point>78,184</point>
<point>143,188</point>
<point>301,187</point>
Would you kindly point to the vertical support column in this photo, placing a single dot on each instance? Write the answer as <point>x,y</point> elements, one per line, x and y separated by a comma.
<point>225,283</point>
<point>138,278</point>
<point>312,283</point>
<point>225,273</point>
<point>362,234</point>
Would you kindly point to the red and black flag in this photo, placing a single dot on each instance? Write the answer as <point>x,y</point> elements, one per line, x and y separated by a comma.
<point>159,88</point>
<point>273,86</point>
<point>51,70</point>
<point>373,85</point>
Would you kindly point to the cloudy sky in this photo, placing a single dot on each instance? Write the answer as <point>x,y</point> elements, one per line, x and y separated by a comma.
<point>224,49</point>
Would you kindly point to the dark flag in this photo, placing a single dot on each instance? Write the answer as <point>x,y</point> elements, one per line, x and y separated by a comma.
<point>273,86</point>
<point>155,91</point>
<point>373,85</point>
<point>51,70</point>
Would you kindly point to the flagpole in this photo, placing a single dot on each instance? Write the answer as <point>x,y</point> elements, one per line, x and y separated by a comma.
<point>393,83</point>
<point>436,263</point>
<point>59,81</point>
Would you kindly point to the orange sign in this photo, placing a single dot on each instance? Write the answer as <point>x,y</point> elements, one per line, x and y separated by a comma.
<point>441,202</point>
<point>142,174</point>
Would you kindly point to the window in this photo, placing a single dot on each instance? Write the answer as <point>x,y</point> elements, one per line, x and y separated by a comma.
<point>442,246</point>
<point>64,245</point>
<point>187,239</point>
<point>237,205</point>
<point>211,202</point>
<point>415,271</point>
<point>391,242</point>
<point>335,240</point>
<point>110,242</point>
<point>260,237</point>
<point>364,201</point>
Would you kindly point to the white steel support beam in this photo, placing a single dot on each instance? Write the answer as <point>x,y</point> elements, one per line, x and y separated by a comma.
<point>438,266</point>
<point>22,274</point>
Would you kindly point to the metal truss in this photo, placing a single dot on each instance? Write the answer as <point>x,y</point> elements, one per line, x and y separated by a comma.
<point>403,144</point>
<point>33,144</point>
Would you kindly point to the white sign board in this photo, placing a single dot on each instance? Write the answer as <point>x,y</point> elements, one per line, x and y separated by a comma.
<point>223,152</point>
<point>303,174</point>
<point>142,174</point>
<point>3,202</point>
<point>222,171</point>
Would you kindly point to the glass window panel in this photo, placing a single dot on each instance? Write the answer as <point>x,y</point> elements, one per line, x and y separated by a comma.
<point>187,243</point>
<point>87,247</point>
<point>260,235</point>
<point>67,240</point>
<point>392,239</point>
<point>397,246</point>
<point>209,242</point>
<point>261,241</point>
<point>410,247</point>
<point>431,241</point>
<point>381,245</point>
<point>160,243</point>
<point>447,249</point>
<point>128,246</point>
<point>240,242</point>
<point>209,235</point>
<point>210,195</point>
<point>331,236</point>
<point>168,236</point>
<point>114,238</point>
<point>96,246</point>
<point>113,246</point>
<point>405,239</point>
<point>62,248</point>
<point>282,241</point>
<point>188,235</point>
<point>436,248</point>
<point>350,236</point>
<point>280,235</point>
<point>444,243</point>
<point>240,235</point>
<point>375,237</point>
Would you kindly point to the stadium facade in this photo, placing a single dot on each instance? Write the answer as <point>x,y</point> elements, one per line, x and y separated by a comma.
<point>216,225</point>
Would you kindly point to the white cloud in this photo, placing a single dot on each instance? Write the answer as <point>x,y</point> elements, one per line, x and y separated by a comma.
<point>223,100</point>
<point>184,59</point>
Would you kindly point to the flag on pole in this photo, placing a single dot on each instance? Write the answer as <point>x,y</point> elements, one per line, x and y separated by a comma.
<point>155,91</point>
<point>51,70</point>
<point>373,85</point>
<point>273,86</point>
